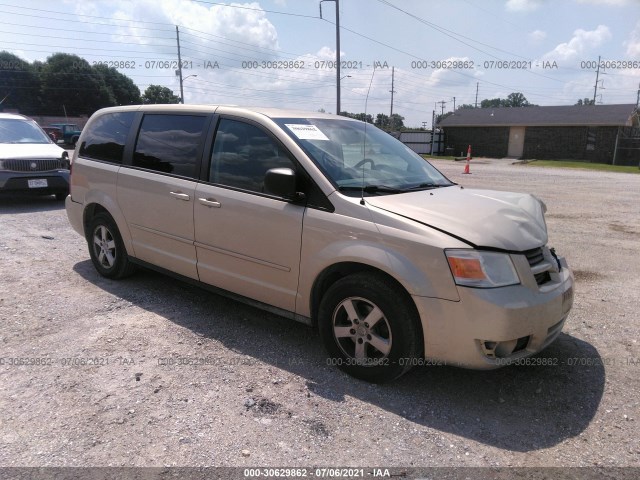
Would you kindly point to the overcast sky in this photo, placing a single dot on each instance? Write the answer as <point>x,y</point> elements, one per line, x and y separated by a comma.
<point>276,52</point>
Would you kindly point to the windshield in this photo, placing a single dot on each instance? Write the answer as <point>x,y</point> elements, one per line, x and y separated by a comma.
<point>21,131</point>
<point>355,160</point>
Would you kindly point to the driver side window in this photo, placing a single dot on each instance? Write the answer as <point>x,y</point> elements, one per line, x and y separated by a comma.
<point>242,154</point>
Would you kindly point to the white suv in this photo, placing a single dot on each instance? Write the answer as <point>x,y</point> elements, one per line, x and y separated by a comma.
<point>30,162</point>
<point>328,221</point>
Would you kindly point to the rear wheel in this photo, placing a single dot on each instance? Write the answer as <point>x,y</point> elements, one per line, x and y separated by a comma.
<point>106,248</point>
<point>369,327</point>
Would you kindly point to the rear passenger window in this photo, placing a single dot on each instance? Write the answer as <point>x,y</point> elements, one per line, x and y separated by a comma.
<point>169,144</point>
<point>105,138</point>
<point>242,154</point>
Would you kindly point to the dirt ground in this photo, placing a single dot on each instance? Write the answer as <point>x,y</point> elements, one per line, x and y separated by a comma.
<point>149,371</point>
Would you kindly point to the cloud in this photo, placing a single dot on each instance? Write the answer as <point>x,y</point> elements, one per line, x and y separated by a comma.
<point>581,41</point>
<point>537,36</point>
<point>612,3</point>
<point>633,44</point>
<point>523,5</point>
<point>236,23</point>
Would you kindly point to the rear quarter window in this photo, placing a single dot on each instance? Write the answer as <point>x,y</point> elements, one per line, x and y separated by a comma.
<point>106,136</point>
<point>169,144</point>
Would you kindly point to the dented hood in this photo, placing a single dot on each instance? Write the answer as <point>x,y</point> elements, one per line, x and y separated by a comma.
<point>483,218</point>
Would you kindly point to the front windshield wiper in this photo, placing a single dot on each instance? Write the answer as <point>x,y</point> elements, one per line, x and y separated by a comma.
<point>427,186</point>
<point>370,189</point>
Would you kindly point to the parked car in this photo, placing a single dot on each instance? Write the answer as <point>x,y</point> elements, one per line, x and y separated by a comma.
<point>325,220</point>
<point>70,132</point>
<point>54,133</point>
<point>30,162</point>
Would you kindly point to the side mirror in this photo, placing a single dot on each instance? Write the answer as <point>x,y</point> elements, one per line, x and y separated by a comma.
<point>281,182</point>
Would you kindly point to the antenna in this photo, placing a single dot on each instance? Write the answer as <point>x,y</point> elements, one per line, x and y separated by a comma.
<point>364,140</point>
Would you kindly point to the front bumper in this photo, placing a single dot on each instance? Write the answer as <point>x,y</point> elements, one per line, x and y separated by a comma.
<point>490,328</point>
<point>18,182</point>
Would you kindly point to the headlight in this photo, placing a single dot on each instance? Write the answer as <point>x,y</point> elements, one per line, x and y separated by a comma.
<point>475,268</point>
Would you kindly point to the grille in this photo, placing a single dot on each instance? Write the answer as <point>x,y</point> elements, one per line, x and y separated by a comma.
<point>539,266</point>
<point>32,164</point>
<point>535,256</point>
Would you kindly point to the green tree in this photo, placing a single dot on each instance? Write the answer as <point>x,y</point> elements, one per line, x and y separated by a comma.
<point>396,122</point>
<point>365,117</point>
<point>120,87</point>
<point>586,101</point>
<point>19,85</point>
<point>382,121</point>
<point>465,106</point>
<point>70,85</point>
<point>159,94</point>
<point>492,103</point>
<point>516,99</point>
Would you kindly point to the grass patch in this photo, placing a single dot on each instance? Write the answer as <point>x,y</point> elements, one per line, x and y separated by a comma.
<point>585,165</point>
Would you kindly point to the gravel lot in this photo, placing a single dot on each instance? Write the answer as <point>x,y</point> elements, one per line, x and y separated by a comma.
<point>102,394</point>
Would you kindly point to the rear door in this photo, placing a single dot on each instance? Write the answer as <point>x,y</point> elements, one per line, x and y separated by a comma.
<point>247,242</point>
<point>156,192</point>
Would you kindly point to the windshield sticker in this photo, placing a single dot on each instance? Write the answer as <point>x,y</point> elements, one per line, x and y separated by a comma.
<point>306,132</point>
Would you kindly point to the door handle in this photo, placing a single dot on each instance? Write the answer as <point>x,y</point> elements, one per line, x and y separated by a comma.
<point>180,196</point>
<point>210,202</point>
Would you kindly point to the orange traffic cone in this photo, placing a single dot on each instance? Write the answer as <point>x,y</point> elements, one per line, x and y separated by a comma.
<point>466,167</point>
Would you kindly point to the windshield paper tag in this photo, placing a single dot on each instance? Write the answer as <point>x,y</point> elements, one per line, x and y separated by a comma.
<point>306,132</point>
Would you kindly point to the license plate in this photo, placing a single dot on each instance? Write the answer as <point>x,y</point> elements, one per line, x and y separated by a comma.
<point>38,183</point>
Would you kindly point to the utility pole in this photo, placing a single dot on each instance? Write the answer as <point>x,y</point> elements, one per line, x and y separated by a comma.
<point>454,104</point>
<point>392,92</point>
<point>179,72</point>
<point>337,51</point>
<point>442,104</point>
<point>595,87</point>
<point>477,85</point>
<point>433,129</point>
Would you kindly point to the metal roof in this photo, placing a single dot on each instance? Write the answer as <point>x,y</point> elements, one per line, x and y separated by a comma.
<point>575,115</point>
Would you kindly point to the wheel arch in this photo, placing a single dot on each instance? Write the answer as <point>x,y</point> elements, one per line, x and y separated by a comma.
<point>335,272</point>
<point>92,209</point>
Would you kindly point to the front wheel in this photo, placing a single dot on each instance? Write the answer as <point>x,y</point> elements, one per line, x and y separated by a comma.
<point>369,327</point>
<point>106,248</point>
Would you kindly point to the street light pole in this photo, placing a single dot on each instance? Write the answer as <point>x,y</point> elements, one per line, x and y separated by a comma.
<point>338,56</point>
<point>184,80</point>
<point>179,71</point>
<point>337,51</point>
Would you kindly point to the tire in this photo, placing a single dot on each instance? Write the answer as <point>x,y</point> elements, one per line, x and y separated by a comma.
<point>106,248</point>
<point>376,352</point>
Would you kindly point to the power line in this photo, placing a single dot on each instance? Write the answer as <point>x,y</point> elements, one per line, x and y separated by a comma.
<point>256,9</point>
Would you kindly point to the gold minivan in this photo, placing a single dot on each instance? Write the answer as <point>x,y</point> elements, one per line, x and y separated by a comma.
<point>326,220</point>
